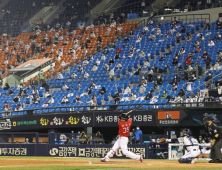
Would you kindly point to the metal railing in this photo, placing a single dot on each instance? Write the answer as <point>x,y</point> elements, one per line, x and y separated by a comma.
<point>185,17</point>
<point>113,107</point>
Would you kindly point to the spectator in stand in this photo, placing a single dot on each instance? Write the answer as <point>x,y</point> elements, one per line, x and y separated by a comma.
<point>207,79</point>
<point>60,76</point>
<point>111,61</point>
<point>151,37</point>
<point>86,75</point>
<point>131,34</point>
<point>174,87</point>
<point>211,43</point>
<point>137,72</point>
<point>208,62</point>
<point>168,51</point>
<point>119,50</point>
<point>111,16</point>
<point>6,87</point>
<point>93,100</point>
<point>183,29</point>
<point>188,38</point>
<point>198,49</point>
<point>207,26</point>
<point>111,74</point>
<point>119,66</point>
<point>205,54</point>
<point>149,96</point>
<point>188,60</point>
<point>156,87</point>
<point>216,65</point>
<point>159,80</point>
<point>165,95</point>
<point>6,106</point>
<point>146,64</point>
<point>88,92</point>
<point>162,58</point>
<point>192,78</point>
<point>201,37</point>
<point>132,97</point>
<point>181,93</point>
<point>143,34</point>
<point>218,25</point>
<point>127,90</point>
<point>142,89</point>
<point>217,36</point>
<point>10,92</point>
<point>102,91</point>
<point>175,80</point>
<point>116,98</point>
<point>65,100</point>
<point>65,87</point>
<point>18,107</point>
<point>94,68</point>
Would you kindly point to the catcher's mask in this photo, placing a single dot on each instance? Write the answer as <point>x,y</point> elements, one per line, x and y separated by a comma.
<point>123,116</point>
<point>206,120</point>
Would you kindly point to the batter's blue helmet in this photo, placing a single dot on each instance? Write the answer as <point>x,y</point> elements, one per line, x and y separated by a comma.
<point>187,131</point>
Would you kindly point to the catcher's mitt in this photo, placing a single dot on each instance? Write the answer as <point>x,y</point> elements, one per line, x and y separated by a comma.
<point>163,140</point>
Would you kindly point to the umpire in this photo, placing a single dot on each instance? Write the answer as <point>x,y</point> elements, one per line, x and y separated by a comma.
<point>216,134</point>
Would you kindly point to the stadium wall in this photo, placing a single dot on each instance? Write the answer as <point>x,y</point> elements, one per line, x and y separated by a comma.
<point>155,118</point>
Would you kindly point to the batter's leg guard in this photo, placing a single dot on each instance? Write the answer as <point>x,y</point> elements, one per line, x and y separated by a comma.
<point>185,160</point>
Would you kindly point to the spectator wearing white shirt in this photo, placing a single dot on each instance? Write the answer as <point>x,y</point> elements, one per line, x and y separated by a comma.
<point>142,54</point>
<point>81,27</point>
<point>106,66</point>
<point>92,35</point>
<point>142,89</point>
<point>73,76</point>
<point>94,67</point>
<point>85,62</point>
<point>211,43</point>
<point>60,76</point>
<point>5,62</point>
<point>65,100</point>
<point>111,73</point>
<point>51,101</point>
<point>113,24</point>
<point>182,50</point>
<point>158,31</point>
<point>63,64</point>
<point>119,66</point>
<point>132,97</point>
<point>103,57</point>
<point>21,42</point>
<point>138,39</point>
<point>38,31</point>
<point>60,38</point>
<point>151,37</point>
<point>18,107</point>
<point>145,28</point>
<point>65,87</point>
<point>86,75</point>
<point>217,36</point>
<point>97,62</point>
<point>130,55</point>
<point>27,46</point>
<point>120,28</point>
<point>146,64</point>
<point>127,90</point>
<point>68,23</point>
<point>84,51</point>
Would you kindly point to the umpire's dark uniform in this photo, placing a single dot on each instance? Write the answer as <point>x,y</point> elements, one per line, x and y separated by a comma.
<point>215,154</point>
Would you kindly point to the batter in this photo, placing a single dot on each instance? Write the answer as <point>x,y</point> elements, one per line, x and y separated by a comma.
<point>124,129</point>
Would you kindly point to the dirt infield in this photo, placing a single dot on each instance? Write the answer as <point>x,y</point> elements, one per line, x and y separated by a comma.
<point>7,162</point>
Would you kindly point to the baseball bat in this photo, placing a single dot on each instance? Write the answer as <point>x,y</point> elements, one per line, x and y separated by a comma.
<point>134,109</point>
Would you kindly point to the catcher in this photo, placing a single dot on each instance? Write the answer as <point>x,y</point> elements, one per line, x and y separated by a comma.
<point>191,144</point>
